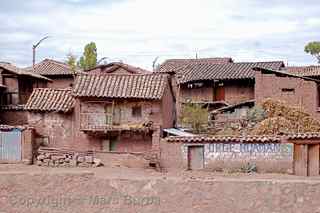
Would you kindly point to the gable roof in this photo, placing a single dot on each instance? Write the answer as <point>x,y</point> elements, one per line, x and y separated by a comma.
<point>284,73</point>
<point>49,67</point>
<point>18,71</point>
<point>120,86</point>
<point>111,67</point>
<point>229,71</point>
<point>171,65</point>
<point>48,99</point>
<point>310,71</point>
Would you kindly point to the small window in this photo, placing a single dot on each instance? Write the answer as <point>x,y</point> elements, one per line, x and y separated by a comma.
<point>136,111</point>
<point>288,90</point>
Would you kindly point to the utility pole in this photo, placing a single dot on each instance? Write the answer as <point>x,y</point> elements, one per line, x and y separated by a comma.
<point>34,50</point>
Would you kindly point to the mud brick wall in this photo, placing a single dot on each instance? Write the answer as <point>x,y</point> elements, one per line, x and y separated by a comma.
<point>268,157</point>
<point>57,127</point>
<point>120,159</point>
<point>14,117</point>
<point>234,92</point>
<point>27,145</point>
<point>304,94</point>
<point>149,111</point>
<point>60,82</point>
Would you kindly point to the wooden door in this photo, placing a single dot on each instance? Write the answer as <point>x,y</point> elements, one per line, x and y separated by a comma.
<point>300,159</point>
<point>195,157</point>
<point>313,160</point>
<point>219,93</point>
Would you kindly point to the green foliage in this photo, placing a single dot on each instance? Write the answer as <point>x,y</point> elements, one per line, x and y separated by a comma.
<point>89,58</point>
<point>72,61</point>
<point>249,168</point>
<point>313,48</point>
<point>256,114</point>
<point>194,116</point>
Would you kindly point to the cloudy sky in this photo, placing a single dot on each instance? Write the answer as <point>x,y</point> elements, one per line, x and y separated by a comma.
<point>137,31</point>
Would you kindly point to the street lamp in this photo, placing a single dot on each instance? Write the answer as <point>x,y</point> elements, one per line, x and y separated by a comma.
<point>34,50</point>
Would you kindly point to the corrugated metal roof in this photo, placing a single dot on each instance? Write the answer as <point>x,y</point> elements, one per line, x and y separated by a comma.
<point>178,132</point>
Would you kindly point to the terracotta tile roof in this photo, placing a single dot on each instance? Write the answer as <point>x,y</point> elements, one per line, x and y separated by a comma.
<point>47,99</point>
<point>120,86</point>
<point>310,135</point>
<point>49,67</point>
<point>18,71</point>
<point>111,67</point>
<point>171,65</point>
<point>310,71</point>
<point>285,73</point>
<point>223,139</point>
<point>229,71</point>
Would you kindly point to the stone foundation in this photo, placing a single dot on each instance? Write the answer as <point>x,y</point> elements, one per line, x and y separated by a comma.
<point>63,158</point>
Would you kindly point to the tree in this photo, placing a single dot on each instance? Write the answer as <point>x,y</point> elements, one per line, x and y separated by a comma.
<point>313,48</point>
<point>72,61</point>
<point>89,58</point>
<point>194,116</point>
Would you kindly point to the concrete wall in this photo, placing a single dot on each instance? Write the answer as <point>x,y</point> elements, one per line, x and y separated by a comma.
<point>304,94</point>
<point>268,157</point>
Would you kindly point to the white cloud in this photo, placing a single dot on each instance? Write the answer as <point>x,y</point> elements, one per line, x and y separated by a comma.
<point>137,31</point>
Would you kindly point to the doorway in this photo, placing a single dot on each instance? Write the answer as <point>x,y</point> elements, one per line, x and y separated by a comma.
<point>195,157</point>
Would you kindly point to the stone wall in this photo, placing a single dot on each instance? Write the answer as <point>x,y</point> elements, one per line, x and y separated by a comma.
<point>51,157</point>
<point>267,157</point>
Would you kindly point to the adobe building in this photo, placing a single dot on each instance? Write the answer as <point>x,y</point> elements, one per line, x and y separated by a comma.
<point>299,91</point>
<point>227,153</point>
<point>104,113</point>
<point>61,74</point>
<point>50,113</point>
<point>117,68</point>
<point>123,113</point>
<point>15,90</point>
<point>217,82</point>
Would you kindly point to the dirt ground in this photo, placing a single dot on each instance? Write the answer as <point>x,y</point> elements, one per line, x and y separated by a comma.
<point>123,173</point>
<point>41,189</point>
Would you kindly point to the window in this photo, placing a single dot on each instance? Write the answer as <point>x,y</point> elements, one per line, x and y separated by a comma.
<point>287,90</point>
<point>136,111</point>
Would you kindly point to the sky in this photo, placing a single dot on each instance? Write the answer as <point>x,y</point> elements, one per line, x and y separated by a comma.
<point>138,31</point>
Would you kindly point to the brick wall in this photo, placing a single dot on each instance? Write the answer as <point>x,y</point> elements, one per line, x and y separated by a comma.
<point>237,92</point>
<point>268,157</point>
<point>294,91</point>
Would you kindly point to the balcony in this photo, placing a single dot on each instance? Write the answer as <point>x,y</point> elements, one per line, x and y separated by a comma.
<point>103,122</point>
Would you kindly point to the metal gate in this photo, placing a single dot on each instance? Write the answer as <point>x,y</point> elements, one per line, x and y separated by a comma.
<point>10,145</point>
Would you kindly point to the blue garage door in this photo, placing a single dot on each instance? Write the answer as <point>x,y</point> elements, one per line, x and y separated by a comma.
<point>10,145</point>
